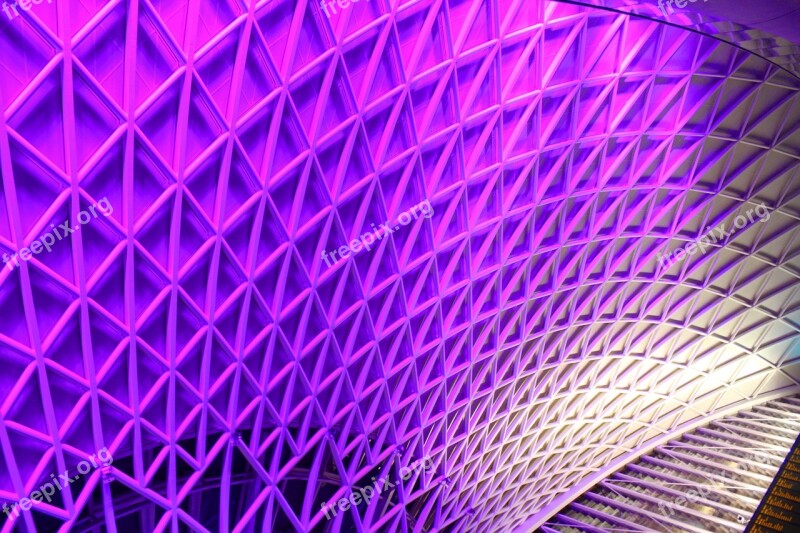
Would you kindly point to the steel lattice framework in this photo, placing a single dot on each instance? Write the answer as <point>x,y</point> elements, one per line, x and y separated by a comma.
<point>524,337</point>
<point>760,41</point>
<point>709,479</point>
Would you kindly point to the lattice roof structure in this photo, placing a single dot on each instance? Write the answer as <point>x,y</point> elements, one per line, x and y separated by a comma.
<point>709,479</point>
<point>526,337</point>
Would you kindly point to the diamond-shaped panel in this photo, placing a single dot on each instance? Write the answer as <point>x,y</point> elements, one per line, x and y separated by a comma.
<point>570,231</point>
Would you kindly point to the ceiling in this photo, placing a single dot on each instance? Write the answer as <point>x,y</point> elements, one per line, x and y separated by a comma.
<point>526,338</point>
<point>770,28</point>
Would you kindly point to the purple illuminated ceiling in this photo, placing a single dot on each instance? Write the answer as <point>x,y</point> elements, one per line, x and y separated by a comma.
<point>768,28</point>
<point>523,338</point>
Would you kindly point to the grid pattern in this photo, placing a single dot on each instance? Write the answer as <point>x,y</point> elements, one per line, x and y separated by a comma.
<point>522,338</point>
<point>710,479</point>
<point>776,49</point>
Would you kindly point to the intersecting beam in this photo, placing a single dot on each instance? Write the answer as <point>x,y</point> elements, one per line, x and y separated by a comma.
<point>774,412</point>
<point>656,501</point>
<point>788,405</point>
<point>602,515</point>
<point>660,519</point>
<point>707,443</point>
<point>692,472</point>
<point>689,459</point>
<point>716,453</point>
<point>675,479</point>
<point>549,530</point>
<point>753,433</point>
<point>574,522</point>
<point>731,436</point>
<point>675,493</point>
<point>695,426</point>
<point>794,423</point>
<point>761,426</point>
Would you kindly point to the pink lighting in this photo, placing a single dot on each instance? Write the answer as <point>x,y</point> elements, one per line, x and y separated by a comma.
<point>529,161</point>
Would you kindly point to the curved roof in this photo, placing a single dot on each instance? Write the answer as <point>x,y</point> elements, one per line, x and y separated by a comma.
<point>594,245</point>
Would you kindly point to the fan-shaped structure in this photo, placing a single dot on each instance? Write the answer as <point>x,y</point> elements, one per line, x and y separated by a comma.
<point>710,479</point>
<point>607,256</point>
